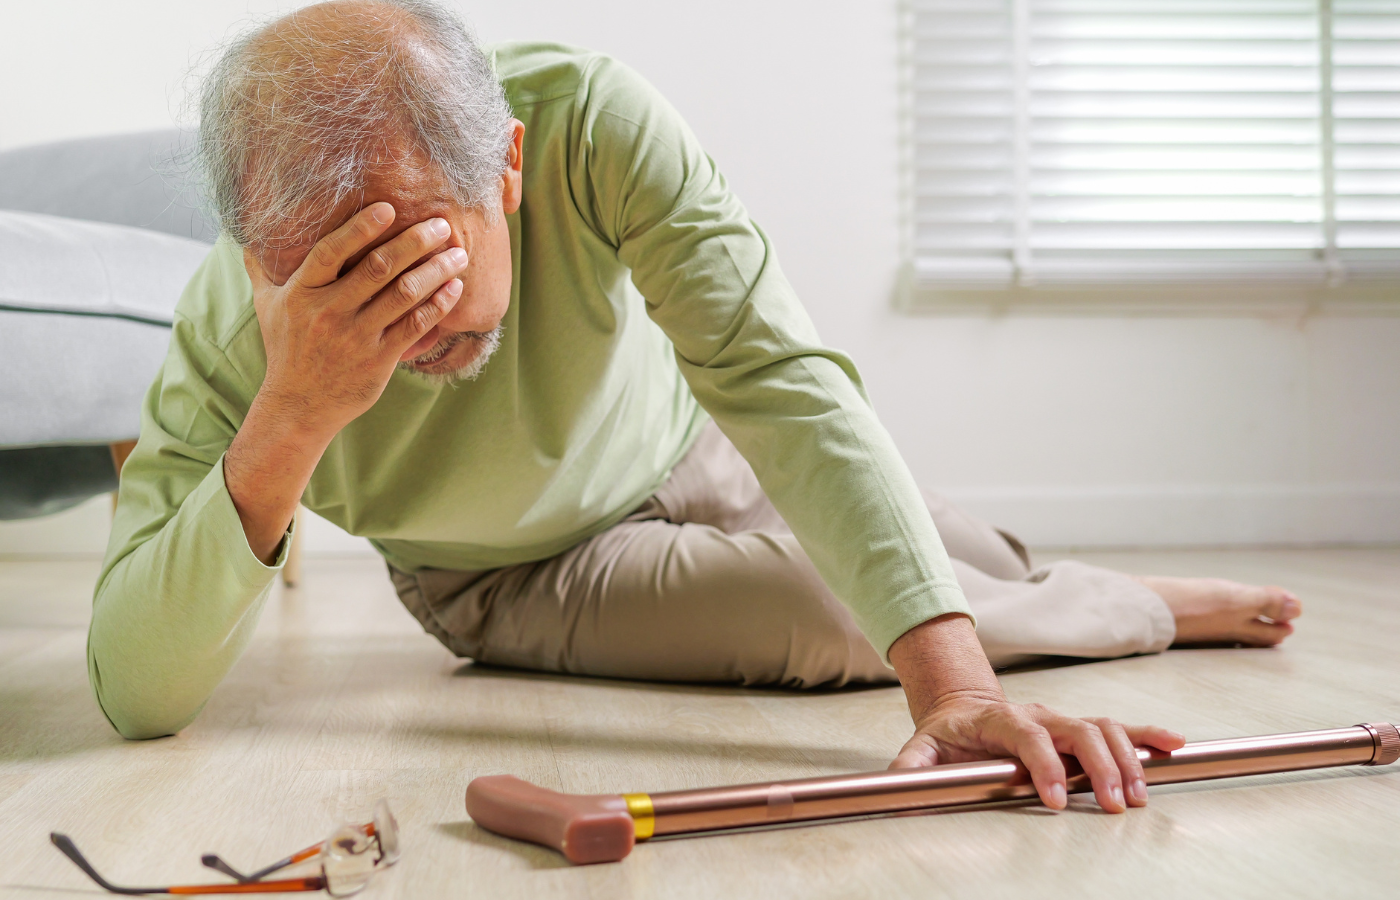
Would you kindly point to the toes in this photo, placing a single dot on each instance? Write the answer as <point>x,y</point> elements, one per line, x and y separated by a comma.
<point>1263,634</point>
<point>1280,605</point>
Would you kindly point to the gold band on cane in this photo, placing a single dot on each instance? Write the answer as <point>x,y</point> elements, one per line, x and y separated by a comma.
<point>643,816</point>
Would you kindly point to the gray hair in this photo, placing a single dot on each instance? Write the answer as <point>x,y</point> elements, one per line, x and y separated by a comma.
<point>291,117</point>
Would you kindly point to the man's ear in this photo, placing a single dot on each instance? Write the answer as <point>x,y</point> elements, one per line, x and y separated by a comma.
<point>512,180</point>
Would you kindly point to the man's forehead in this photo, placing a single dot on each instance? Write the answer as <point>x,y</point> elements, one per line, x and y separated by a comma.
<point>410,187</point>
<point>414,201</point>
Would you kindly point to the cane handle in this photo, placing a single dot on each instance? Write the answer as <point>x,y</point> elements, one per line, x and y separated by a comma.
<point>586,828</point>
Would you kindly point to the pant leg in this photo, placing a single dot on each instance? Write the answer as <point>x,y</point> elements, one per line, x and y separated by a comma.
<point>656,600</point>
<point>1062,609</point>
<point>1066,608</point>
<point>973,541</point>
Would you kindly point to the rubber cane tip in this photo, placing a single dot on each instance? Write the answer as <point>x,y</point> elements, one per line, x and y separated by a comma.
<point>586,828</point>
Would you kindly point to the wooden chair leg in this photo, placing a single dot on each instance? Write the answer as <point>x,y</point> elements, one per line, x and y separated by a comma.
<point>120,451</point>
<point>291,571</point>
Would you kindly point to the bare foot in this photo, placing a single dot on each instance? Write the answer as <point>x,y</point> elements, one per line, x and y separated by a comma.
<point>1209,610</point>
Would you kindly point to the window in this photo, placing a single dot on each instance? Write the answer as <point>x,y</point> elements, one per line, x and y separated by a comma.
<point>1168,143</point>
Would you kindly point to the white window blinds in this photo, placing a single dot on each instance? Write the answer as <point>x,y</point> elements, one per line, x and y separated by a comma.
<point>1153,141</point>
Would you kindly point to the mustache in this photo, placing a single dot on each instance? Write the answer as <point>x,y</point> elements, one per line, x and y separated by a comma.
<point>487,342</point>
<point>444,346</point>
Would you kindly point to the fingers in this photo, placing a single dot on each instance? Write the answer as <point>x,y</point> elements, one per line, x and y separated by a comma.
<point>1144,736</point>
<point>413,286</point>
<point>384,263</point>
<point>1085,742</point>
<point>1036,750</point>
<point>919,751</point>
<point>1122,742</point>
<point>324,262</point>
<point>408,330</point>
<point>1153,736</point>
<point>979,728</point>
<point>1120,746</point>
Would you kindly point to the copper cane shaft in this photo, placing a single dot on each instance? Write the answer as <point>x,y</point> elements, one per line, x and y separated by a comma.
<point>603,827</point>
<point>707,809</point>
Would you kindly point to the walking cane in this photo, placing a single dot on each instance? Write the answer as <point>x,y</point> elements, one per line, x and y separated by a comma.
<point>591,828</point>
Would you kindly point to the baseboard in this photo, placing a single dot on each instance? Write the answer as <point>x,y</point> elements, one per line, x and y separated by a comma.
<point>1190,515</point>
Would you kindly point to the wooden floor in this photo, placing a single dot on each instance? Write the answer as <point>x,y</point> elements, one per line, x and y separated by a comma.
<point>342,699</point>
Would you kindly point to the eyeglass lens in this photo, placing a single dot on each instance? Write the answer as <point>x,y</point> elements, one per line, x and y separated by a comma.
<point>386,831</point>
<point>347,861</point>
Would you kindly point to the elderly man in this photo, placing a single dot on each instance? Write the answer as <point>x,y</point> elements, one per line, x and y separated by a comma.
<point>500,314</point>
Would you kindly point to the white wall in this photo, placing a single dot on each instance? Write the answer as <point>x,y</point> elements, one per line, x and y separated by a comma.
<point>1091,430</point>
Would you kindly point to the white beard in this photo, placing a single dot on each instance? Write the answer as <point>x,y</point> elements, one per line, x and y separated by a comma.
<point>487,344</point>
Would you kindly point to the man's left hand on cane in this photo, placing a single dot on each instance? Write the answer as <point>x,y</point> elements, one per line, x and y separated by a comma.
<point>960,714</point>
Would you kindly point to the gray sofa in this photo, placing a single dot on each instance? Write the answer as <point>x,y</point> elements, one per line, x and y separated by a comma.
<point>97,238</point>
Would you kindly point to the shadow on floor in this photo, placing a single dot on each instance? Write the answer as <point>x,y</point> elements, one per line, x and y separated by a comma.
<point>38,727</point>
<point>668,747</point>
<point>535,857</point>
<point>474,669</point>
<point>667,744</point>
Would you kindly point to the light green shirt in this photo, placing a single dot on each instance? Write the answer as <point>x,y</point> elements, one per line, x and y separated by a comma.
<point>643,298</point>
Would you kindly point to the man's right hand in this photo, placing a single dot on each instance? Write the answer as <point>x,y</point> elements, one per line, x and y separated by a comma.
<point>332,342</point>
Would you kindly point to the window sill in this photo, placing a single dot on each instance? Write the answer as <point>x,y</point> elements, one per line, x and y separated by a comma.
<point>1358,298</point>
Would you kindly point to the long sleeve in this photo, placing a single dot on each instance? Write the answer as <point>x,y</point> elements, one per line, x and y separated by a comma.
<point>795,408</point>
<point>180,591</point>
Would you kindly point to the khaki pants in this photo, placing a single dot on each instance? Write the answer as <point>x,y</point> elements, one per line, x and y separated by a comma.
<point>706,583</point>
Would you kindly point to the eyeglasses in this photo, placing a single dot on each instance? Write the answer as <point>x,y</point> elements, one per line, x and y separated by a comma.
<point>383,830</point>
<point>349,858</point>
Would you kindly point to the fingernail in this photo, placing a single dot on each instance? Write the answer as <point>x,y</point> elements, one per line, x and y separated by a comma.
<point>440,227</point>
<point>454,286</point>
<point>382,213</point>
<point>457,256</point>
<point>1058,798</point>
<point>1139,790</point>
<point>1116,793</point>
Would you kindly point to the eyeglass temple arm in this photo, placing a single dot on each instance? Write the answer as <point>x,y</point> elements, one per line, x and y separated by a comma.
<point>215,862</point>
<point>69,849</point>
